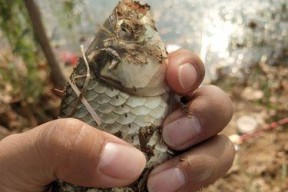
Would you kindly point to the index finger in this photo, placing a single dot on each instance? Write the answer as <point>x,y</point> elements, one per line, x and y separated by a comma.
<point>185,71</point>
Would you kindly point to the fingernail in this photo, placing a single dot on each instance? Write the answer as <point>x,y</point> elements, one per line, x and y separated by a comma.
<point>121,161</point>
<point>173,178</point>
<point>181,131</point>
<point>187,76</point>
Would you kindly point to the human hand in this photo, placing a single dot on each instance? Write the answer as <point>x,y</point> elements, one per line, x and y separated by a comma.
<point>72,151</point>
<point>207,156</point>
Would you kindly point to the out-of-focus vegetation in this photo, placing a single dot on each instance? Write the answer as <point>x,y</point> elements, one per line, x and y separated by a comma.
<point>19,72</point>
<point>69,15</point>
<point>26,84</point>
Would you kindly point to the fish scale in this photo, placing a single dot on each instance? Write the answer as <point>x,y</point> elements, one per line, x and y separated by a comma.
<point>126,88</point>
<point>114,106</point>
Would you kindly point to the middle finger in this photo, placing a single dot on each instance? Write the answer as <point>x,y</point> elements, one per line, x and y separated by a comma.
<point>204,116</point>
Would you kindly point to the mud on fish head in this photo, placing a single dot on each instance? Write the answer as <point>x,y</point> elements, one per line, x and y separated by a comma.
<point>131,55</point>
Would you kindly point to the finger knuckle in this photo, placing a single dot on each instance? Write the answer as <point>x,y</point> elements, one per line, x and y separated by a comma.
<point>60,136</point>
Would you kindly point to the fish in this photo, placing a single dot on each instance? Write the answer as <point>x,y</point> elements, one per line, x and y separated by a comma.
<point>119,87</point>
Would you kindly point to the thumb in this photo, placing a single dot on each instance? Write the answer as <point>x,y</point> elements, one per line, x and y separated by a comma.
<point>69,150</point>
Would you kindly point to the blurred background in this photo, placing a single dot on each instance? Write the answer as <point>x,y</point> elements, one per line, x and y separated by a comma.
<point>244,46</point>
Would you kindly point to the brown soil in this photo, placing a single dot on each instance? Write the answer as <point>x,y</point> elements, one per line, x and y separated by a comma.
<point>261,161</point>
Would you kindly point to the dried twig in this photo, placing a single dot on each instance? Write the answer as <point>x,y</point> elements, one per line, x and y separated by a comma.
<point>85,103</point>
<point>80,93</point>
<point>39,31</point>
<point>85,83</point>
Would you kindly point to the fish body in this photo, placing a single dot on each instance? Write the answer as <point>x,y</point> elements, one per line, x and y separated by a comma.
<point>121,80</point>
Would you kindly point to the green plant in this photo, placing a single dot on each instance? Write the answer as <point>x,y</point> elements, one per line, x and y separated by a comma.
<point>16,28</point>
